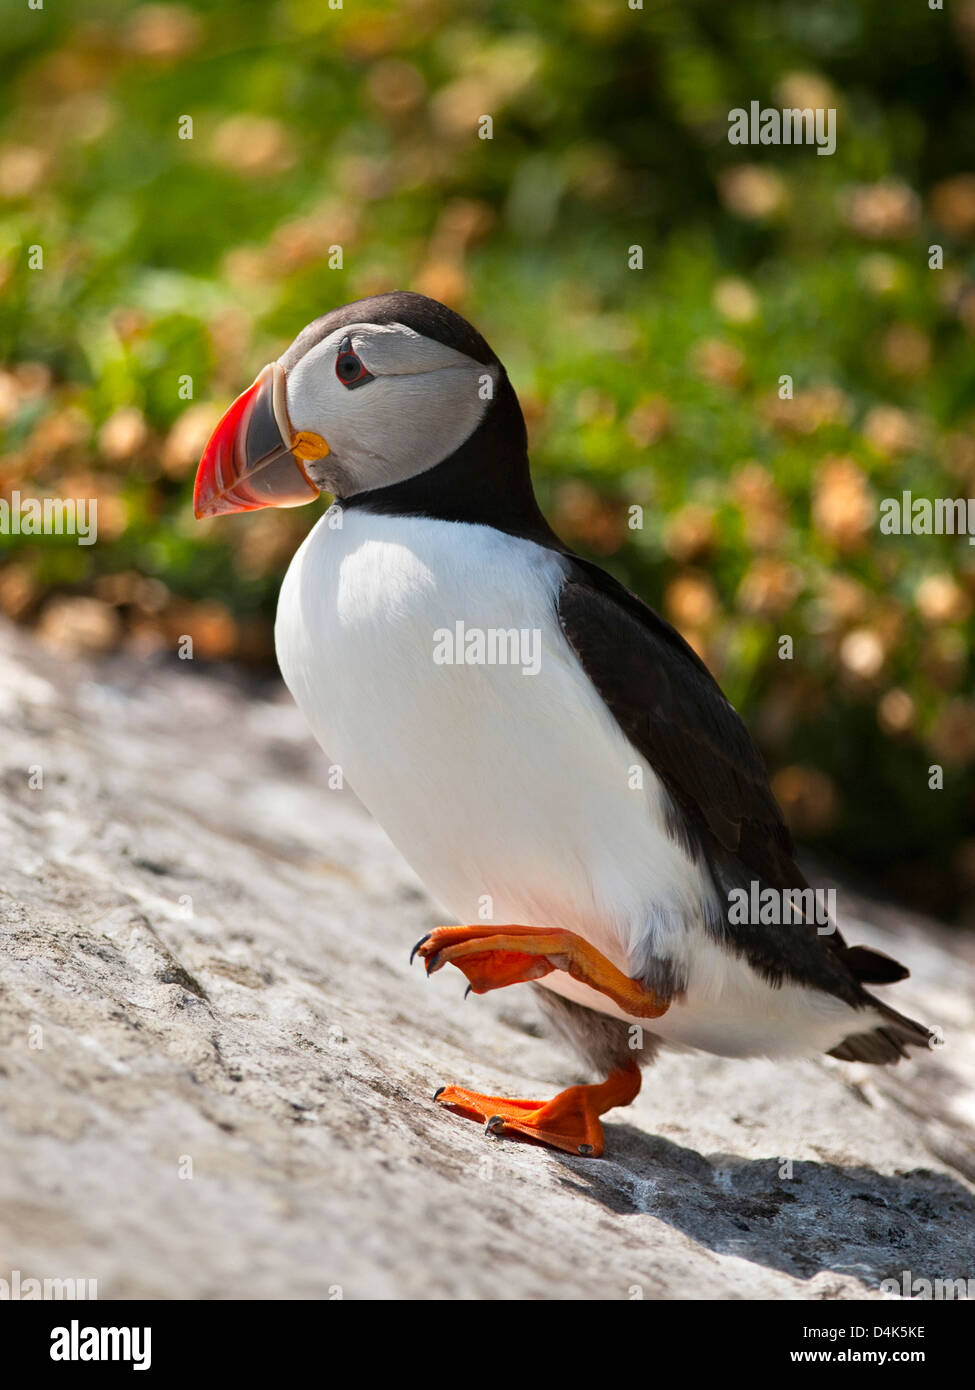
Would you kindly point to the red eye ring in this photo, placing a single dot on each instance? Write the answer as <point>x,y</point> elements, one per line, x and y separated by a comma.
<point>349,367</point>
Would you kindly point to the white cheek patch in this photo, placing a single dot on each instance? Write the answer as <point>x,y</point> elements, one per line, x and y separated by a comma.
<point>425,400</point>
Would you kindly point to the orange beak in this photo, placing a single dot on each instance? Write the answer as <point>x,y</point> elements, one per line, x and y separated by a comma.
<point>254,458</point>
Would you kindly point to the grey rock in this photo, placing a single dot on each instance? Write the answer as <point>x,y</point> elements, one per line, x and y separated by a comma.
<point>218,1067</point>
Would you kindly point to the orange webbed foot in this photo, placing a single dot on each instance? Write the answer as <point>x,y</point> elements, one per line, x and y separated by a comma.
<point>495,956</point>
<point>569,1121</point>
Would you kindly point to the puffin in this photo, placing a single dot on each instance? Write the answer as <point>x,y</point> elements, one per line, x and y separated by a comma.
<point>550,756</point>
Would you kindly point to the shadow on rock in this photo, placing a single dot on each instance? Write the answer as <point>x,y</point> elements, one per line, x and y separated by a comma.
<point>802,1218</point>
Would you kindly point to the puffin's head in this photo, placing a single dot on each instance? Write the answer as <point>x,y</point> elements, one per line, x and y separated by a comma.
<point>365,397</point>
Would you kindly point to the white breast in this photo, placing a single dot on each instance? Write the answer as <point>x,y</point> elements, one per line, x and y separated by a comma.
<point>515,797</point>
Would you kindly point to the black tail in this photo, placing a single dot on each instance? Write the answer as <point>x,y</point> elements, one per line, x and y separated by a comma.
<point>872,967</point>
<point>889,1042</point>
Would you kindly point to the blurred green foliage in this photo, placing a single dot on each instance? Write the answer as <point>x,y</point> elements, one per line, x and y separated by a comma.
<point>315,128</point>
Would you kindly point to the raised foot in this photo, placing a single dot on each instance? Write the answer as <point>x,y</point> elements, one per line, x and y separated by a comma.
<point>569,1121</point>
<point>492,957</point>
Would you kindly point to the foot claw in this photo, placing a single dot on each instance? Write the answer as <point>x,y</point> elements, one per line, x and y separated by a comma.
<point>439,1092</point>
<point>419,944</point>
<point>493,1124</point>
<point>586,1150</point>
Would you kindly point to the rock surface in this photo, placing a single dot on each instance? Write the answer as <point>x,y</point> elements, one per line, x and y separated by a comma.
<point>217,1065</point>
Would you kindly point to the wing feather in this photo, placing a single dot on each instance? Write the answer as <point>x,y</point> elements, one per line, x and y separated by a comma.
<point>675,714</point>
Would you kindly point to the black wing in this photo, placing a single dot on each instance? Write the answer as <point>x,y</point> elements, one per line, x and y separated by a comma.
<point>675,714</point>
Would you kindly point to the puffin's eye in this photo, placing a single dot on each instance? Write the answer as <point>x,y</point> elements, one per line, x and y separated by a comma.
<point>349,367</point>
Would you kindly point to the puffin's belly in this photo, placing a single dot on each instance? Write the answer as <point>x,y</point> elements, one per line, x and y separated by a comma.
<point>514,796</point>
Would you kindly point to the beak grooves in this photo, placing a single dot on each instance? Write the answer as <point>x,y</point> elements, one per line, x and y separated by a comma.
<point>252,459</point>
